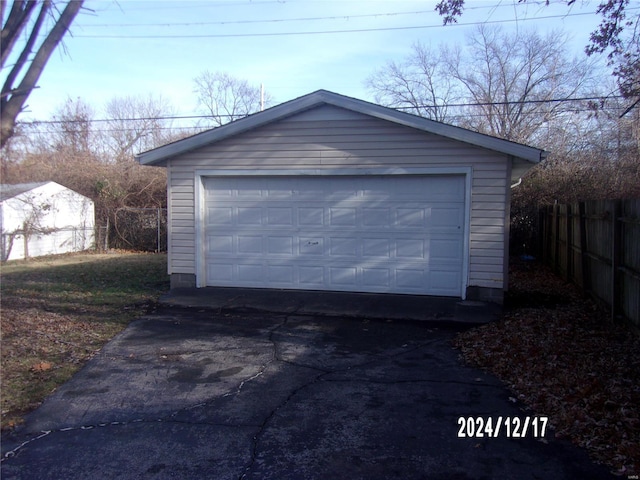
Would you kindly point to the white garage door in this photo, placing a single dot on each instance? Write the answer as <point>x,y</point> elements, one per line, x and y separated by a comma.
<point>396,233</point>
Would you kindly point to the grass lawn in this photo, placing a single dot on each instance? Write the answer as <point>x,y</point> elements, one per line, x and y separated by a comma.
<point>59,311</point>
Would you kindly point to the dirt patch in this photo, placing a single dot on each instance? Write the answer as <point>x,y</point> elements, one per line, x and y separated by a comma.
<point>561,357</point>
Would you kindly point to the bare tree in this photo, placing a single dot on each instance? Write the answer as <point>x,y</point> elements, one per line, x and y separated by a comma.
<point>136,124</point>
<point>94,157</point>
<point>618,34</point>
<point>224,98</point>
<point>70,132</point>
<point>504,85</point>
<point>418,85</point>
<point>514,82</point>
<point>24,73</point>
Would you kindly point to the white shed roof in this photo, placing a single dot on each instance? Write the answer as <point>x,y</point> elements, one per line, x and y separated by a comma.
<point>9,191</point>
<point>160,155</point>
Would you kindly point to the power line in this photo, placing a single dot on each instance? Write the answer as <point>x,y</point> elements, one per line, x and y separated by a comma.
<point>208,3</point>
<point>295,19</point>
<point>132,119</point>
<point>323,32</point>
<point>520,102</point>
<point>449,116</point>
<point>195,129</point>
<point>416,107</point>
<point>183,5</point>
<point>240,22</point>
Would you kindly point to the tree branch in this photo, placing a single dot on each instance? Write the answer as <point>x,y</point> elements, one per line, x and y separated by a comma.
<point>10,107</point>
<point>18,18</point>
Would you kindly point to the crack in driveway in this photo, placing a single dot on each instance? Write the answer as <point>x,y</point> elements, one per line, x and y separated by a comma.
<point>319,398</point>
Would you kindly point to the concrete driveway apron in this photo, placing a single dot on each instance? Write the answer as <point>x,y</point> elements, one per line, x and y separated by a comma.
<point>191,394</point>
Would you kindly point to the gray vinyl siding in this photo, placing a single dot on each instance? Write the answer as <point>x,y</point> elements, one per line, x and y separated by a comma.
<point>330,137</point>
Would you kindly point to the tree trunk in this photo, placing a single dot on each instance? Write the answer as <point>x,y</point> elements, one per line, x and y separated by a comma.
<point>14,98</point>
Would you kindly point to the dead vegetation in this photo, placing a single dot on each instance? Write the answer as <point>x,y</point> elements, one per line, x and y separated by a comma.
<point>561,357</point>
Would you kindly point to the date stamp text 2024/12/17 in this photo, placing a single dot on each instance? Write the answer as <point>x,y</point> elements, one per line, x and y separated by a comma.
<point>507,427</point>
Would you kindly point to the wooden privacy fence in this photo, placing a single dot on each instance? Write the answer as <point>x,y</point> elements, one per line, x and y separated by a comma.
<point>596,245</point>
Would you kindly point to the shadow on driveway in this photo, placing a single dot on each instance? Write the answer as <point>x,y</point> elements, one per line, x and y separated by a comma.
<point>199,394</point>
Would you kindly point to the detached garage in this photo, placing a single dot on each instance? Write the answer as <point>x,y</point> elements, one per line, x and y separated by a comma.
<point>327,192</point>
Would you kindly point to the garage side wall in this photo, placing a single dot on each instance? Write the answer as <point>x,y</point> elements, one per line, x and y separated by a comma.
<point>332,138</point>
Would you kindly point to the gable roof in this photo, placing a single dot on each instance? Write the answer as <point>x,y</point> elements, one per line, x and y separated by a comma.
<point>9,191</point>
<point>159,156</point>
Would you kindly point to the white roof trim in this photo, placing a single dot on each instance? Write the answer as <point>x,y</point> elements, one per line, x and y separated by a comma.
<point>160,155</point>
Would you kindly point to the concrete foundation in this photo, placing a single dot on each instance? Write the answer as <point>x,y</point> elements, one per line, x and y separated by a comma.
<point>484,294</point>
<point>183,280</point>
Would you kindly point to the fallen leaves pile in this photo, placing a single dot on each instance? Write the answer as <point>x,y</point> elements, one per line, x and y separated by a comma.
<point>562,357</point>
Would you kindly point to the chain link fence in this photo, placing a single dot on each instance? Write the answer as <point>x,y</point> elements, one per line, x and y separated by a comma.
<point>140,229</point>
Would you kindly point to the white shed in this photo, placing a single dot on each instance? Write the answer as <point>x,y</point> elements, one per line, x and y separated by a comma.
<point>44,218</point>
<point>328,192</point>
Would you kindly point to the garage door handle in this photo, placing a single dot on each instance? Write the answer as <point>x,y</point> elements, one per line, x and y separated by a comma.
<point>312,243</point>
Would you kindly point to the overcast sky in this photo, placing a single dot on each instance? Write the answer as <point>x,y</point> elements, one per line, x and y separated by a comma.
<point>293,47</point>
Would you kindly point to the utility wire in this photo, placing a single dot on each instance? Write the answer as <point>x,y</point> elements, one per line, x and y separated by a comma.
<point>255,3</point>
<point>415,107</point>
<point>296,19</point>
<point>198,129</point>
<point>241,22</point>
<point>201,128</point>
<point>323,32</point>
<point>518,102</point>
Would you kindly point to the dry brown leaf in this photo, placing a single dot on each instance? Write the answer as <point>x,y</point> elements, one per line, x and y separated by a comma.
<point>42,367</point>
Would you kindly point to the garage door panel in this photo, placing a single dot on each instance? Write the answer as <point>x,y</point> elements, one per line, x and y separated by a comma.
<point>376,247</point>
<point>375,217</point>
<point>249,216</point>
<point>249,244</point>
<point>342,216</point>
<point>447,249</point>
<point>221,244</point>
<point>410,217</point>
<point>337,189</point>
<point>279,216</point>
<point>446,217</point>
<point>411,278</point>
<point>377,234</point>
<point>343,246</point>
<point>281,245</point>
<point>343,276</point>
<point>311,216</point>
<point>411,248</point>
<point>379,278</point>
<point>282,274</point>
<point>442,282</point>
<point>311,246</point>
<point>376,277</point>
<point>256,191</point>
<point>311,276</point>
<point>247,273</point>
<point>220,273</point>
<point>224,187</point>
<point>220,215</point>
<point>282,188</point>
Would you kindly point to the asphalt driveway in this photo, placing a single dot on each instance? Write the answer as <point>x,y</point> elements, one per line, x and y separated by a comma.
<point>191,394</point>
